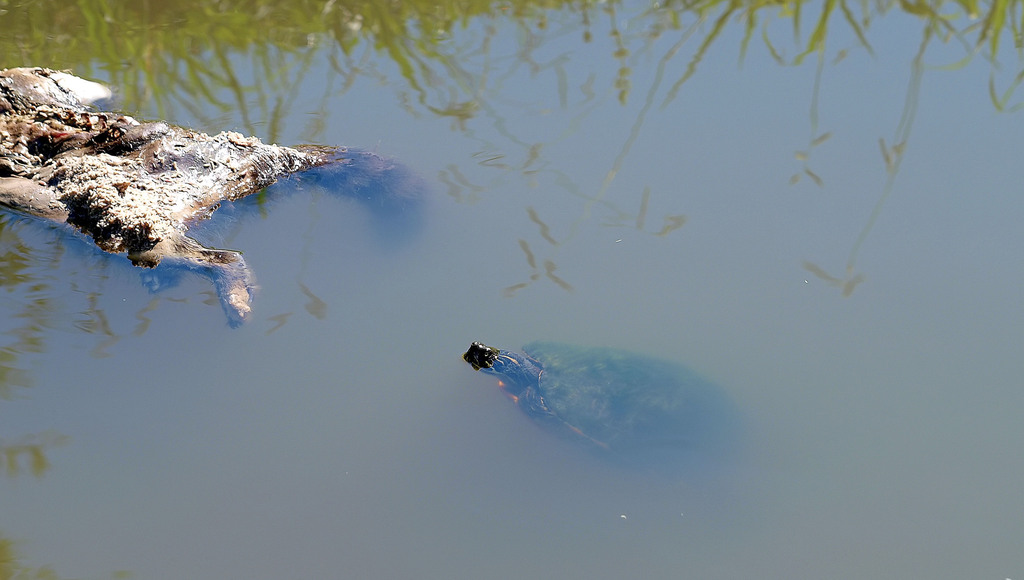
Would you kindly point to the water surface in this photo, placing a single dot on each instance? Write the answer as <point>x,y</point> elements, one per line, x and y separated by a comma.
<point>832,241</point>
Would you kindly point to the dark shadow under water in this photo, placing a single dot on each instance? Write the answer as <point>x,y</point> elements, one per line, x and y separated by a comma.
<point>391,193</point>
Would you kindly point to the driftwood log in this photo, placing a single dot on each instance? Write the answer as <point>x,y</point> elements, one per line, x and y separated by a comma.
<point>134,187</point>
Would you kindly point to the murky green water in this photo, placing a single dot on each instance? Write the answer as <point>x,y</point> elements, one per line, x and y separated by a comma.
<point>833,240</point>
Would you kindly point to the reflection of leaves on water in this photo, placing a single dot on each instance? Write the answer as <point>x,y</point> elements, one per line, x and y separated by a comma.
<point>510,291</point>
<point>12,568</point>
<point>459,112</point>
<point>619,219</point>
<point>544,230</point>
<point>152,306</point>
<point>10,375</point>
<point>489,159</point>
<point>816,139</point>
<point>437,65</point>
<point>96,322</point>
<point>804,156</point>
<point>807,171</point>
<point>211,298</point>
<point>315,306</point>
<point>698,56</point>
<point>641,215</point>
<point>530,259</point>
<point>848,283</point>
<point>280,319</point>
<point>29,451</point>
<point>145,321</point>
<point>532,155</point>
<point>1001,102</point>
<point>622,83</point>
<point>188,53</point>
<point>549,271</point>
<point>891,155</point>
<point>25,270</point>
<point>536,273</point>
<point>636,127</point>
<point>672,222</point>
<point>639,221</point>
<point>29,338</point>
<point>821,139</point>
<point>34,317</point>
<point>459,188</point>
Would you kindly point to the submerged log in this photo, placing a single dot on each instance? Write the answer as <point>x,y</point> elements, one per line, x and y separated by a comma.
<point>134,187</point>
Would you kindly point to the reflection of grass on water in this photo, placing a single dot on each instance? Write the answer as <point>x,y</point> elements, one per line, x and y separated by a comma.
<point>173,51</point>
<point>22,274</point>
<point>177,54</point>
<point>28,452</point>
<point>16,273</point>
<point>12,566</point>
<point>23,453</point>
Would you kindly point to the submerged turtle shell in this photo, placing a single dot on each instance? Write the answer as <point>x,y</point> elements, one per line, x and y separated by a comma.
<point>621,400</point>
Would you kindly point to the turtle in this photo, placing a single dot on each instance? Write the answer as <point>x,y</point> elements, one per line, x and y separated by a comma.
<point>614,400</point>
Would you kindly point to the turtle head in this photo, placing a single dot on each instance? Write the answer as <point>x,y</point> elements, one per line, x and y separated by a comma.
<point>481,356</point>
<point>517,371</point>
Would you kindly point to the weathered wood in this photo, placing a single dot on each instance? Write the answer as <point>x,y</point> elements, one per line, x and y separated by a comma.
<point>133,187</point>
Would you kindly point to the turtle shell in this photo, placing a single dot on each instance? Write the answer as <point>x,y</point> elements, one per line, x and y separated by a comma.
<point>621,400</point>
